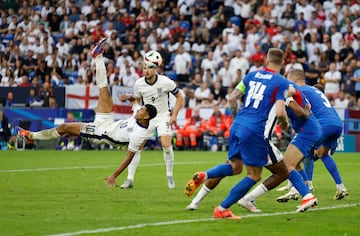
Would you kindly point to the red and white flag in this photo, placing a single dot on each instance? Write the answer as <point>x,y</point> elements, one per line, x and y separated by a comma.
<point>81,97</point>
<point>122,110</point>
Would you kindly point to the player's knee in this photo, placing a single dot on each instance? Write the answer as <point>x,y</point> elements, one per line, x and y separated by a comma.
<point>168,149</point>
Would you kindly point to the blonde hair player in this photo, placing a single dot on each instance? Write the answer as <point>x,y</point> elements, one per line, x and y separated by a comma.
<point>154,89</point>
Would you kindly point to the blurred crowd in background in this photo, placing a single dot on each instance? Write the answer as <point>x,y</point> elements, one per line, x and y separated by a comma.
<point>208,46</point>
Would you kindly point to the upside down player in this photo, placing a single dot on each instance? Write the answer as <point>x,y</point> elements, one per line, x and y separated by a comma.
<point>104,129</point>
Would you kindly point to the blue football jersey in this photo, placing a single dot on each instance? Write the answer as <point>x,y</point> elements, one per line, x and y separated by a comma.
<point>298,123</point>
<point>321,106</point>
<point>261,90</point>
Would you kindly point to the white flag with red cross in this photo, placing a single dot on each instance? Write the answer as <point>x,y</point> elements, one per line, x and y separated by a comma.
<point>81,97</point>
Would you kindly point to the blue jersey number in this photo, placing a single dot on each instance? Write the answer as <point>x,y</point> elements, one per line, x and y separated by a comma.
<point>326,101</point>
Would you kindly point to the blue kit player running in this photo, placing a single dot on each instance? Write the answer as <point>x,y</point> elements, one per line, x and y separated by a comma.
<point>247,145</point>
<point>331,127</point>
<point>308,133</point>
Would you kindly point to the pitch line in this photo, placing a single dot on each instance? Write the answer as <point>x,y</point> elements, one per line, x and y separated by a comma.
<point>95,167</point>
<point>120,228</point>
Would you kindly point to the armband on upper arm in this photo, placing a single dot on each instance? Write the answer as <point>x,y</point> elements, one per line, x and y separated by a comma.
<point>241,87</point>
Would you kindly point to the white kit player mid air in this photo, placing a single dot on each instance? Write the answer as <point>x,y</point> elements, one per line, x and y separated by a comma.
<point>134,130</point>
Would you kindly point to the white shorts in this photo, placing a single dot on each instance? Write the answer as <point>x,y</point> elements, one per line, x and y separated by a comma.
<point>161,123</point>
<point>275,154</point>
<point>94,131</point>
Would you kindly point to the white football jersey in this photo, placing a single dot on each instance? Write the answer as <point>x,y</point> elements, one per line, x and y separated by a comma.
<point>156,94</point>
<point>105,130</point>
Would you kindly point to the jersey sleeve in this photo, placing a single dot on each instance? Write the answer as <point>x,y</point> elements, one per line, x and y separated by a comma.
<point>283,89</point>
<point>138,136</point>
<point>172,87</point>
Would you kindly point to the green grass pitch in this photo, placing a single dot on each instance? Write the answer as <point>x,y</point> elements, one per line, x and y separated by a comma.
<point>62,193</point>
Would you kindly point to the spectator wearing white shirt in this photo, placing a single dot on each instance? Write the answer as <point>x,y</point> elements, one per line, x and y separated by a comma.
<point>182,65</point>
<point>342,101</point>
<point>26,24</point>
<point>239,62</point>
<point>233,40</point>
<point>87,8</point>
<point>52,58</point>
<point>202,93</point>
<point>63,47</point>
<point>332,82</point>
<point>209,63</point>
<point>82,20</point>
<point>219,51</point>
<point>225,75</point>
<point>46,9</point>
<point>129,77</point>
<point>162,31</point>
<point>310,47</point>
<point>38,47</point>
<point>120,61</point>
<point>71,31</point>
<point>305,8</point>
<point>293,65</point>
<point>335,38</point>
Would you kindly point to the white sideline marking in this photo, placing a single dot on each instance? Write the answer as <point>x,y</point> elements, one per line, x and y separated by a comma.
<point>104,230</point>
<point>95,167</point>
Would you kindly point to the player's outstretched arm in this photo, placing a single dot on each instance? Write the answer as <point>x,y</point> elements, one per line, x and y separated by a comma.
<point>111,180</point>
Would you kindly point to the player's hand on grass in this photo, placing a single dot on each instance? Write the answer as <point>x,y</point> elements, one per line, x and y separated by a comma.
<point>110,181</point>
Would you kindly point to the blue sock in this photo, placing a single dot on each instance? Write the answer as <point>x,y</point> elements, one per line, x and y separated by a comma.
<point>221,170</point>
<point>309,167</point>
<point>332,168</point>
<point>298,183</point>
<point>238,191</point>
<point>303,174</point>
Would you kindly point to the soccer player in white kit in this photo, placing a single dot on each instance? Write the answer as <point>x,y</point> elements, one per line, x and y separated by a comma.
<point>104,129</point>
<point>155,89</point>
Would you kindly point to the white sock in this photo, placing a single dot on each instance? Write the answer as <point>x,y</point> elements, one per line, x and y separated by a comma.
<point>169,160</point>
<point>309,195</point>
<point>100,77</point>
<point>340,186</point>
<point>203,192</point>
<point>293,190</point>
<point>133,166</point>
<point>45,134</point>
<point>255,193</point>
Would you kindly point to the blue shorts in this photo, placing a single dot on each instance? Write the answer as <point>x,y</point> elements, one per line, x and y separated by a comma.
<point>330,135</point>
<point>247,145</point>
<point>306,142</point>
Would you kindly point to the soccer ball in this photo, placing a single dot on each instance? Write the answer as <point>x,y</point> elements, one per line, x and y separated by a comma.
<point>152,59</point>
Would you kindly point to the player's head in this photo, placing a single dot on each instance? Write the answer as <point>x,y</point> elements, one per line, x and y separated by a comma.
<point>151,110</point>
<point>274,57</point>
<point>319,86</point>
<point>296,75</point>
<point>146,112</point>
